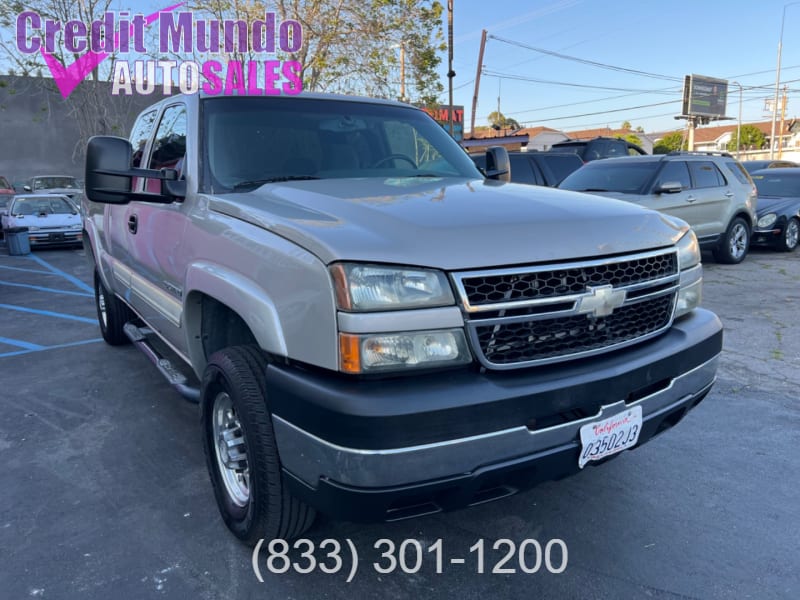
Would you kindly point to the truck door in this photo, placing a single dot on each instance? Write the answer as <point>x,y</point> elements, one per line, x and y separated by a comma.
<point>155,231</point>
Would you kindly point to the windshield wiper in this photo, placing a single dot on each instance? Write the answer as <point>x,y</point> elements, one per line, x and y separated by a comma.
<point>254,183</point>
<point>595,190</point>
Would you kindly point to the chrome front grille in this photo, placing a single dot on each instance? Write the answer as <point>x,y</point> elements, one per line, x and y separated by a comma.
<point>546,314</point>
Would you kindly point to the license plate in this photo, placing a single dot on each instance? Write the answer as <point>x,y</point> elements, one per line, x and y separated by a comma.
<point>56,237</point>
<point>611,435</point>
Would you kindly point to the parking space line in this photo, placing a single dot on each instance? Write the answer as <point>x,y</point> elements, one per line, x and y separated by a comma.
<point>57,271</point>
<point>56,347</point>
<point>38,271</point>
<point>46,289</point>
<point>20,344</point>
<point>48,313</point>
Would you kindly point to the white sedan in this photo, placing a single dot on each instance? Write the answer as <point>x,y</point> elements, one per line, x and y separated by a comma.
<point>51,219</point>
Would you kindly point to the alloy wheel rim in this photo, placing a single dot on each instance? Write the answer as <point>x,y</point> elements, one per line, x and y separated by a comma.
<point>792,234</point>
<point>101,304</point>
<point>231,450</point>
<point>738,244</point>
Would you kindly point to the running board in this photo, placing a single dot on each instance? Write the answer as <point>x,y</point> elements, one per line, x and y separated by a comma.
<point>138,335</point>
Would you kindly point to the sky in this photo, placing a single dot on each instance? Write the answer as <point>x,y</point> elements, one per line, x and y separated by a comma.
<point>735,40</point>
<point>661,39</point>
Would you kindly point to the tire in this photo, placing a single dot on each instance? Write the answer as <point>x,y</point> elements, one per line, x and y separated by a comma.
<point>246,471</point>
<point>791,235</point>
<point>734,244</point>
<point>112,314</point>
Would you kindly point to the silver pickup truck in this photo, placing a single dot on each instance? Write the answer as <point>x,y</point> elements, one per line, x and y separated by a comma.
<point>372,327</point>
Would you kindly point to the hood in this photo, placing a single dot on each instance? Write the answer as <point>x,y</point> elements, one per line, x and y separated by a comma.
<point>448,223</point>
<point>782,206</point>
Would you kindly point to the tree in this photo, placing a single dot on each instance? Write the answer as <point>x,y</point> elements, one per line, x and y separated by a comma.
<point>626,125</point>
<point>354,47</point>
<point>670,143</point>
<point>633,139</point>
<point>752,138</point>
<point>499,121</point>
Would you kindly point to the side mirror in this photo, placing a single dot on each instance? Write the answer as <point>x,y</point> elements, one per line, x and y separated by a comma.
<point>109,174</point>
<point>669,187</point>
<point>106,154</point>
<point>27,188</point>
<point>498,166</point>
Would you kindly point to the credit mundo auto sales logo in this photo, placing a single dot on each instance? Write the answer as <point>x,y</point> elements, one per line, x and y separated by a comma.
<point>122,35</point>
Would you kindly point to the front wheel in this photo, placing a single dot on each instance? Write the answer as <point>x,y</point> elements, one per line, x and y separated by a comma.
<point>791,235</point>
<point>241,453</point>
<point>734,244</point>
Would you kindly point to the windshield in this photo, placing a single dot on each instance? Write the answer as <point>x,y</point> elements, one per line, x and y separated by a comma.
<point>778,184</point>
<point>252,141</point>
<point>4,185</point>
<point>611,176</point>
<point>45,205</point>
<point>49,183</point>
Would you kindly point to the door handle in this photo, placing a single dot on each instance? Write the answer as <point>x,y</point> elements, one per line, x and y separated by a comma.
<point>690,199</point>
<point>729,194</point>
<point>133,223</point>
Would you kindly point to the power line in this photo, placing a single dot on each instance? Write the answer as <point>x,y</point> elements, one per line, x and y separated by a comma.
<point>586,61</point>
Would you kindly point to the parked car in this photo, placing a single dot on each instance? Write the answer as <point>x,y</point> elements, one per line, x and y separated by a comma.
<point>709,190</point>
<point>600,147</point>
<point>6,189</point>
<point>778,222</point>
<point>537,168</point>
<point>756,165</point>
<point>51,219</point>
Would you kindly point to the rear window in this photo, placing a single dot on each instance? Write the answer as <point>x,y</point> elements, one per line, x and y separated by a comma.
<point>629,177</point>
<point>738,171</point>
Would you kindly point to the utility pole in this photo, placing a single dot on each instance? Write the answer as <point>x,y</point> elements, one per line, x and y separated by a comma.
<point>477,84</point>
<point>783,118</point>
<point>402,72</point>
<point>450,72</point>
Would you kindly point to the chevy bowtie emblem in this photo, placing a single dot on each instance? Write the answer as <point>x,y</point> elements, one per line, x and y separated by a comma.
<point>600,301</point>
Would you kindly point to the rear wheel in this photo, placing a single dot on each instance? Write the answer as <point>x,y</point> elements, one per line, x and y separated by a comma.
<point>791,235</point>
<point>112,314</point>
<point>241,453</point>
<point>734,244</point>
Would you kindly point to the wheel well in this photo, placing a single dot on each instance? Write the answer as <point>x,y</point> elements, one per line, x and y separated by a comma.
<point>221,327</point>
<point>746,218</point>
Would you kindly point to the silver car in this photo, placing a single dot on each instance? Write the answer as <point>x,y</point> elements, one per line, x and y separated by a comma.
<point>51,219</point>
<point>712,192</point>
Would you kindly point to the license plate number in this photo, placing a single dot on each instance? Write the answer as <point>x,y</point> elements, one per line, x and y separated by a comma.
<point>609,436</point>
<point>56,237</point>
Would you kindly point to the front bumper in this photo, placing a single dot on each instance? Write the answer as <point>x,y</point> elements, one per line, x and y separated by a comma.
<point>768,237</point>
<point>388,449</point>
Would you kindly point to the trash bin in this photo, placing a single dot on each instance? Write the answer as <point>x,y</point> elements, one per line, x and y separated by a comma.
<point>18,242</point>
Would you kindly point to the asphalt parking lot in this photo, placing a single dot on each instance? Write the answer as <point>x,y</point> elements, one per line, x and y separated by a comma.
<point>105,492</point>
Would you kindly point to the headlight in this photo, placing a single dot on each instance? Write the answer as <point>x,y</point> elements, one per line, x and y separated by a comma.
<point>374,287</point>
<point>688,251</point>
<point>691,281</point>
<point>767,220</point>
<point>75,227</point>
<point>33,229</point>
<point>368,353</point>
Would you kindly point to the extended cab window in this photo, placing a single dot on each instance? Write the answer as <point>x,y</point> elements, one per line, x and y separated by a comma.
<point>705,174</point>
<point>140,134</point>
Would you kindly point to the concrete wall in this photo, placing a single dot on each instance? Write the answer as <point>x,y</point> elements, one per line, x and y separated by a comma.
<point>40,132</point>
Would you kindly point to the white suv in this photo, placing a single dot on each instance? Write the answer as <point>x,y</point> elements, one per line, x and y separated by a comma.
<point>712,192</point>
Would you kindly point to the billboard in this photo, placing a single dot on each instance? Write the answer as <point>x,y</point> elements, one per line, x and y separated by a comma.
<point>704,96</point>
<point>441,114</point>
